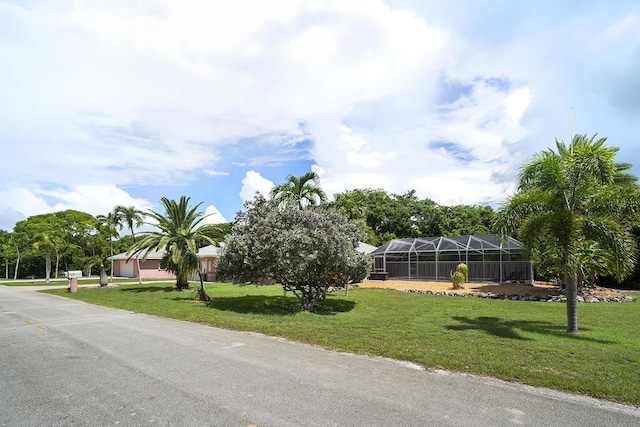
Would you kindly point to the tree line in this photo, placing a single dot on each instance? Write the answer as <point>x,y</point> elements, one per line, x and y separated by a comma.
<point>390,216</point>
<point>74,240</point>
<point>47,244</point>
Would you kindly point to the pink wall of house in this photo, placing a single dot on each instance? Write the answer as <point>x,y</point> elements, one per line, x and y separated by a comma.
<point>209,267</point>
<point>156,274</point>
<point>149,269</point>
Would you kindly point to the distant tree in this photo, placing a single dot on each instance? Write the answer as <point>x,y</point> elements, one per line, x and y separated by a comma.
<point>73,234</point>
<point>304,250</point>
<point>110,222</point>
<point>389,216</point>
<point>304,190</point>
<point>180,233</point>
<point>19,242</point>
<point>6,251</point>
<point>386,216</point>
<point>574,194</point>
<point>47,243</point>
<point>131,217</point>
<point>38,238</point>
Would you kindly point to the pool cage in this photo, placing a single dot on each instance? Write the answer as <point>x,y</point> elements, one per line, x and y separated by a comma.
<point>435,258</point>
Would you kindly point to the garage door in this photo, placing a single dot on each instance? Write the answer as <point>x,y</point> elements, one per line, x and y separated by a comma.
<point>126,269</point>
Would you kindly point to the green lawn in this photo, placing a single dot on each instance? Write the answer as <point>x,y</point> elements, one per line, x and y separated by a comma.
<point>513,340</point>
<point>82,281</point>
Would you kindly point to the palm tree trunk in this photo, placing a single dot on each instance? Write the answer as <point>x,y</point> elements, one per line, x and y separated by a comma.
<point>133,236</point>
<point>111,250</point>
<point>572,302</point>
<point>103,278</point>
<point>203,292</point>
<point>182,282</point>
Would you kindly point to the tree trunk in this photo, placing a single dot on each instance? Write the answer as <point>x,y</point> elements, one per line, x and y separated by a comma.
<point>111,250</point>
<point>15,273</point>
<point>182,283</point>
<point>309,296</point>
<point>203,292</point>
<point>133,236</point>
<point>47,267</point>
<point>104,280</point>
<point>572,303</point>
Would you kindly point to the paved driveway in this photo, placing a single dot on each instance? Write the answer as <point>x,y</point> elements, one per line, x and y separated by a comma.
<point>64,362</point>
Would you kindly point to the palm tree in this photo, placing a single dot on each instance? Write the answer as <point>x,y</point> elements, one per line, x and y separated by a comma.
<point>304,190</point>
<point>180,234</point>
<point>111,222</point>
<point>573,194</point>
<point>130,216</point>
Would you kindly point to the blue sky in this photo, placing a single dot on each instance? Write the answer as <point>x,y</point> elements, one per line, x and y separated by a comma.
<point>107,103</point>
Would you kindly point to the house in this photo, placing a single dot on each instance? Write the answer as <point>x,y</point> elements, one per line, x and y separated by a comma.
<point>150,268</point>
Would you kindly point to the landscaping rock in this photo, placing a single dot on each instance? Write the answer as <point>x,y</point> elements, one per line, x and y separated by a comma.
<point>591,298</point>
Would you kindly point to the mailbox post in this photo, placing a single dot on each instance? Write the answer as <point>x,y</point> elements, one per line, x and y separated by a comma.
<point>73,280</point>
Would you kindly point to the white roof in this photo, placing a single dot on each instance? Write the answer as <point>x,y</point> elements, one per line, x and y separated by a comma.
<point>206,251</point>
<point>365,248</point>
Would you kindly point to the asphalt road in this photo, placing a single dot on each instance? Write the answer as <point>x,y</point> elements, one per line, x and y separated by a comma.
<point>67,363</point>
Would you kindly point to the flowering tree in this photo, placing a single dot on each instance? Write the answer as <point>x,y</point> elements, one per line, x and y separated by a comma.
<point>305,251</point>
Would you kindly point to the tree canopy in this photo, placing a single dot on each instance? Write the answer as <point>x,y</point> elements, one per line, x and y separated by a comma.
<point>390,216</point>
<point>304,190</point>
<point>304,250</point>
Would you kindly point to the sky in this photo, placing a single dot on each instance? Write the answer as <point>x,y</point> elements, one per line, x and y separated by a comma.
<point>125,102</point>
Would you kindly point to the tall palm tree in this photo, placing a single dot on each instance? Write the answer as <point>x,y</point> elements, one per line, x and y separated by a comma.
<point>577,192</point>
<point>180,233</point>
<point>131,217</point>
<point>111,222</point>
<point>304,190</point>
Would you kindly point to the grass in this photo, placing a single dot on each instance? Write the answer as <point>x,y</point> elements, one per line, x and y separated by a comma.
<point>82,281</point>
<point>513,340</point>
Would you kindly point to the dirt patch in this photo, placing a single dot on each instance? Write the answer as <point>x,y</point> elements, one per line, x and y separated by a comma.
<point>539,288</point>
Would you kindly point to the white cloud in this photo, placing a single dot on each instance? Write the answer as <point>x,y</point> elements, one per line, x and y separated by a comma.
<point>212,172</point>
<point>213,216</point>
<point>253,182</point>
<point>447,99</point>
<point>456,159</point>
<point>147,94</point>
<point>21,203</point>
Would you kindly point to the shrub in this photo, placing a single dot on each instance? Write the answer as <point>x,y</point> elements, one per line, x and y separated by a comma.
<point>459,276</point>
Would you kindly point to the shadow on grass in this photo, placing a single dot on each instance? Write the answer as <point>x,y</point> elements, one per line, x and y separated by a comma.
<point>510,328</point>
<point>140,289</point>
<point>278,305</point>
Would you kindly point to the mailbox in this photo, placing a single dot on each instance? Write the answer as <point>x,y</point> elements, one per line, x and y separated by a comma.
<point>74,274</point>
